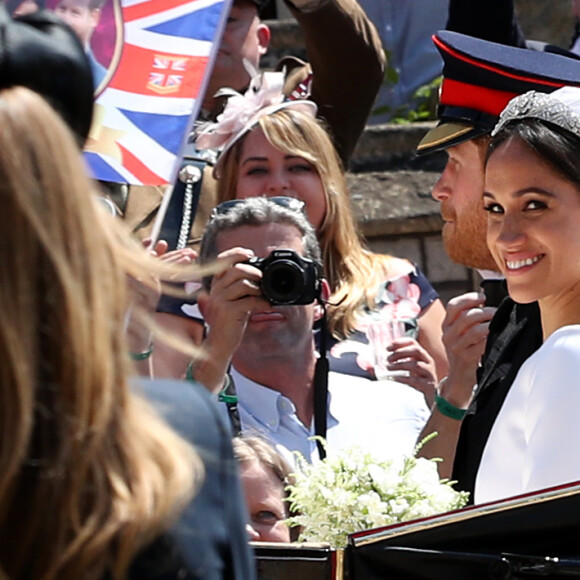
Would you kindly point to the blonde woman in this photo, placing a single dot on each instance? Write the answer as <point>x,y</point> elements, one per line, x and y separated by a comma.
<point>90,477</point>
<point>280,149</point>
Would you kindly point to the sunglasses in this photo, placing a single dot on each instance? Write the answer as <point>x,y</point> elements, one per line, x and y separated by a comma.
<point>290,203</point>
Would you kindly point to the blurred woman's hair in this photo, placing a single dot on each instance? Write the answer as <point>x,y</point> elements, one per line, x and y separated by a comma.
<point>89,473</point>
<point>354,273</point>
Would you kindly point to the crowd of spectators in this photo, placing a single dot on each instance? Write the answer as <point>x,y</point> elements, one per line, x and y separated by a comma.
<point>150,432</point>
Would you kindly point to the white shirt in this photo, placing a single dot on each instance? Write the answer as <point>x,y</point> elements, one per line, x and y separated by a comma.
<point>534,441</point>
<point>490,275</point>
<point>382,417</point>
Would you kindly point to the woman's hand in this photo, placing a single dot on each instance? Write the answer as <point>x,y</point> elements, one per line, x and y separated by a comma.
<point>181,256</point>
<point>408,355</point>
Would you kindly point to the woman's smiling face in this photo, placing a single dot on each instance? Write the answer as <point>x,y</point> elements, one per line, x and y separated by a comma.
<point>265,170</point>
<point>533,223</point>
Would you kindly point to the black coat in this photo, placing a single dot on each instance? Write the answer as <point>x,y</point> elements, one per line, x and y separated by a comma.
<point>515,333</point>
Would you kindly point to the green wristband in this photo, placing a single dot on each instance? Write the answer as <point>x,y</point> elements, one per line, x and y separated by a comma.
<point>189,372</point>
<point>223,395</point>
<point>449,410</point>
<point>137,356</point>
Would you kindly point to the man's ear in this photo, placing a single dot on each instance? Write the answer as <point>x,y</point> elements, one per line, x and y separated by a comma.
<point>324,295</point>
<point>264,36</point>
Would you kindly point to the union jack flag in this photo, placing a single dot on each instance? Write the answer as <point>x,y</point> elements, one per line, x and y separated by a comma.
<point>146,111</point>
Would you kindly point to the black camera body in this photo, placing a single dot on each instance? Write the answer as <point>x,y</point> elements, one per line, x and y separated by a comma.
<point>288,278</point>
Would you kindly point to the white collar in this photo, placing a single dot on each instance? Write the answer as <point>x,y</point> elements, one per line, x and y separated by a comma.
<point>261,402</point>
<point>490,275</point>
<point>265,404</point>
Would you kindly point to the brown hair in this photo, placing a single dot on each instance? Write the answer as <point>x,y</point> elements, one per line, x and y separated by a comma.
<point>250,449</point>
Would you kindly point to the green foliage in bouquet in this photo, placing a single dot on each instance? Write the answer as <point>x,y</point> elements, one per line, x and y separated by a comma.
<point>354,491</point>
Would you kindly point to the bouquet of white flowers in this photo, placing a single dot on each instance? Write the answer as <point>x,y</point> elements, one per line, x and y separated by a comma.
<point>354,491</point>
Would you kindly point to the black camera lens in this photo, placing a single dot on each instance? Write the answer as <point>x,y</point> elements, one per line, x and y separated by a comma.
<point>288,278</point>
<point>283,282</point>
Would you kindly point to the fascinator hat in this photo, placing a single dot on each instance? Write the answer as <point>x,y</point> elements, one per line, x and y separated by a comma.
<point>241,114</point>
<point>560,108</point>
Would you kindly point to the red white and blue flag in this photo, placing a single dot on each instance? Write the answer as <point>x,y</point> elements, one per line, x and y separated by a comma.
<point>146,111</point>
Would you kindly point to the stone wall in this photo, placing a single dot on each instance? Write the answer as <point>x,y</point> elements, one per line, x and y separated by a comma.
<point>397,215</point>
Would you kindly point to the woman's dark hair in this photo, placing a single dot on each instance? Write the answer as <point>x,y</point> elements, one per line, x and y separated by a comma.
<point>558,147</point>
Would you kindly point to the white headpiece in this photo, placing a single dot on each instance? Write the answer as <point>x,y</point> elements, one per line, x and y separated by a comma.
<point>561,108</point>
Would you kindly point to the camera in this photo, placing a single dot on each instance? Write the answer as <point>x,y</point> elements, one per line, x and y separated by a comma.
<point>288,278</point>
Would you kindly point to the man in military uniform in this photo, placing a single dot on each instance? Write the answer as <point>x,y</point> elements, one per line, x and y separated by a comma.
<point>479,79</point>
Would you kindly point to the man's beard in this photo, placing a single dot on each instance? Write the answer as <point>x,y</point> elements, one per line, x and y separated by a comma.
<point>465,243</point>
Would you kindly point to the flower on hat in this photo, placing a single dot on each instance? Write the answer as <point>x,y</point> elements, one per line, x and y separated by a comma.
<point>265,90</point>
<point>264,96</point>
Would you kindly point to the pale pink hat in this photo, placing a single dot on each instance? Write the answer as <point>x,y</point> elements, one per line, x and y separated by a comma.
<point>263,97</point>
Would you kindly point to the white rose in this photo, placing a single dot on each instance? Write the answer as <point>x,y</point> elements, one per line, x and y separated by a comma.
<point>385,479</point>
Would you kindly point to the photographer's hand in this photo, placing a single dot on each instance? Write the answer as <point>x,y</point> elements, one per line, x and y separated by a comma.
<point>234,293</point>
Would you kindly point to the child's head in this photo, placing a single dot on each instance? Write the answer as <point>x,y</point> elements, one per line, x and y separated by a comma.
<point>264,474</point>
<point>82,16</point>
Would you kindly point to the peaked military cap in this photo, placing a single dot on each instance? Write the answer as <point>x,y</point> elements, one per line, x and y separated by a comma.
<point>481,77</point>
<point>40,52</point>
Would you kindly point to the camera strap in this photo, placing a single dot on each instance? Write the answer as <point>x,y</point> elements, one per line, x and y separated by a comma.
<point>321,389</point>
<point>229,397</point>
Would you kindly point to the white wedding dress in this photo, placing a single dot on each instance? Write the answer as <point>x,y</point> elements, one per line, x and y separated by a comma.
<point>535,440</point>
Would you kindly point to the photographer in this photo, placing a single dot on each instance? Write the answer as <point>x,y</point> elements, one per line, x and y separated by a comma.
<point>271,347</point>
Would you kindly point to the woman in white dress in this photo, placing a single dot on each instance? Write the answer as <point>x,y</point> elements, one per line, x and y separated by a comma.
<point>532,194</point>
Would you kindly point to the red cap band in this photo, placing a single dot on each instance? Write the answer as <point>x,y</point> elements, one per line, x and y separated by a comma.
<point>458,94</point>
